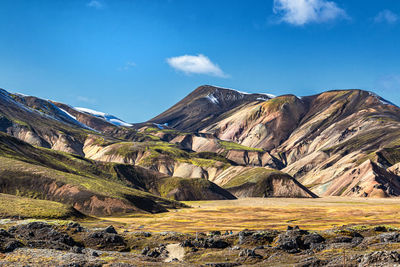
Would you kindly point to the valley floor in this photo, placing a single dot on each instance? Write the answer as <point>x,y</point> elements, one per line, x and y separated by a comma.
<point>332,231</point>
<point>268,213</point>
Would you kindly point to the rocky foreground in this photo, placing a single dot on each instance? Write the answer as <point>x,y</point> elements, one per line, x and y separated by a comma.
<point>24,243</point>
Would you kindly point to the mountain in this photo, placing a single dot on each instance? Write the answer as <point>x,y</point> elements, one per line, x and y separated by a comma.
<point>216,143</point>
<point>43,149</point>
<point>201,107</point>
<point>316,139</point>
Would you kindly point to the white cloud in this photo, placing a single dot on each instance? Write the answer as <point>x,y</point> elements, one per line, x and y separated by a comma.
<point>128,65</point>
<point>95,4</point>
<point>199,64</point>
<point>300,12</point>
<point>386,16</point>
<point>389,83</point>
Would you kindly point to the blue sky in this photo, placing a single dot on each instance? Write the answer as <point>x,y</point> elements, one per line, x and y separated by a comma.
<point>135,58</point>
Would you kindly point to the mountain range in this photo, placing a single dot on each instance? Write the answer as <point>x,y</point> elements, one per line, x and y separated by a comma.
<point>216,143</point>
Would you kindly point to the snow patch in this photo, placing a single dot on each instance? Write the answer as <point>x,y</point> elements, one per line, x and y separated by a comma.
<point>382,100</point>
<point>107,117</point>
<point>68,114</point>
<point>21,94</point>
<point>159,126</point>
<point>244,93</point>
<point>269,95</point>
<point>91,112</point>
<point>213,99</point>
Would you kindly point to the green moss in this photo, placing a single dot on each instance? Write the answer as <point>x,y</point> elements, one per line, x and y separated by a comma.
<point>152,130</point>
<point>234,146</point>
<point>363,141</point>
<point>371,156</point>
<point>33,208</point>
<point>381,118</point>
<point>276,103</point>
<point>194,185</point>
<point>391,155</point>
<point>251,176</point>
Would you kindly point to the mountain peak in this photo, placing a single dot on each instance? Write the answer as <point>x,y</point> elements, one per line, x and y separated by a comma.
<point>203,105</point>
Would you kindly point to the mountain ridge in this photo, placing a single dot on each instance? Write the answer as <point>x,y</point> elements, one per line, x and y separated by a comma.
<point>216,143</point>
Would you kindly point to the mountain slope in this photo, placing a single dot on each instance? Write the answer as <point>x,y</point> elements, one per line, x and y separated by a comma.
<point>90,187</point>
<point>46,126</point>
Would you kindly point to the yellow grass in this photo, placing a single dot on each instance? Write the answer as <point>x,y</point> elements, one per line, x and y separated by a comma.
<point>268,213</point>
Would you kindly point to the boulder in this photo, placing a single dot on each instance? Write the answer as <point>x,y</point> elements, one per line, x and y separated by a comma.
<point>380,258</point>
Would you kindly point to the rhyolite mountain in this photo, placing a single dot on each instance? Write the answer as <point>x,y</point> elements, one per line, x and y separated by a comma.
<point>317,139</point>
<point>216,143</point>
<point>201,107</point>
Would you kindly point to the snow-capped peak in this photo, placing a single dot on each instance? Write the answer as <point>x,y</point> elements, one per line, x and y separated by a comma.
<point>107,117</point>
<point>244,93</point>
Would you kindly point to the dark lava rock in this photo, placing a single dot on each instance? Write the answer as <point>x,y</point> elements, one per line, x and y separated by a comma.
<point>5,234</point>
<point>77,250</point>
<point>292,241</point>
<point>253,237</point>
<point>311,262</point>
<point>215,243</point>
<point>76,227</point>
<point>43,235</point>
<point>261,237</point>
<point>7,241</point>
<point>187,243</point>
<point>380,257</point>
<point>215,233</point>
<point>146,234</point>
<point>111,230</point>
<point>311,240</point>
<point>223,264</point>
<point>380,229</point>
<point>341,239</point>
<point>12,245</point>
<point>104,240</point>
<point>160,251</point>
<point>119,264</point>
<point>357,240</point>
<point>249,253</point>
<point>392,237</point>
<point>205,243</point>
<point>145,251</point>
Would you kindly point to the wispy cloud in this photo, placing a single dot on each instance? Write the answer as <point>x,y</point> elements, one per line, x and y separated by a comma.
<point>389,83</point>
<point>128,65</point>
<point>85,99</point>
<point>386,16</point>
<point>300,12</point>
<point>199,64</point>
<point>96,4</point>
